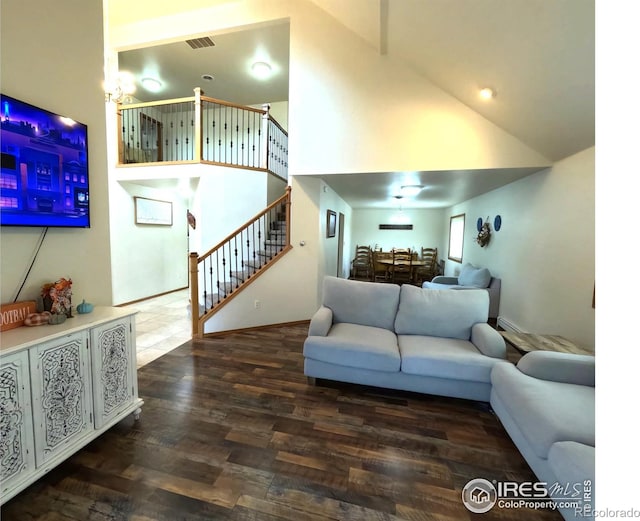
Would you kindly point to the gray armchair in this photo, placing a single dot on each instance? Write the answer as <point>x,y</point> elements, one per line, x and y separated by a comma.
<point>471,277</point>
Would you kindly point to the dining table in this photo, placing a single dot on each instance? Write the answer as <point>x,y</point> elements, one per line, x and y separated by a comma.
<point>398,262</point>
<point>415,263</point>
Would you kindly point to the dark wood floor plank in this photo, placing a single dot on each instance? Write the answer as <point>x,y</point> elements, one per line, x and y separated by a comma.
<point>231,431</point>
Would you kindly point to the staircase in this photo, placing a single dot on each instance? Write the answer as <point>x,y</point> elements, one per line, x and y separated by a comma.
<point>222,273</point>
<point>273,245</point>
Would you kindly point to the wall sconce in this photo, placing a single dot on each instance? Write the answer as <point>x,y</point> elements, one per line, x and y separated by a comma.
<point>120,89</point>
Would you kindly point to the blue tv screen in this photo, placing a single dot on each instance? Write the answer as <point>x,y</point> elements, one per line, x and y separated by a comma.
<point>44,180</point>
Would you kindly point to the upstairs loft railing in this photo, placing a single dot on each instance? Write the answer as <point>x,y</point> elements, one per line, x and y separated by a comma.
<point>218,276</point>
<point>199,129</point>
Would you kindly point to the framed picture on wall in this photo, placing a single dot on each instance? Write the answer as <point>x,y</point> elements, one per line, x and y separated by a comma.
<point>331,223</point>
<point>153,211</point>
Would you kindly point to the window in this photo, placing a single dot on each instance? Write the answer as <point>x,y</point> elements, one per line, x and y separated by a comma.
<point>456,237</point>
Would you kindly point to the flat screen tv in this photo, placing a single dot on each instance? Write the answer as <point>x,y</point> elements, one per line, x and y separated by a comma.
<point>44,180</point>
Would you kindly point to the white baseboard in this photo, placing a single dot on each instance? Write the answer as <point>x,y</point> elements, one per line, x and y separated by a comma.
<point>508,325</point>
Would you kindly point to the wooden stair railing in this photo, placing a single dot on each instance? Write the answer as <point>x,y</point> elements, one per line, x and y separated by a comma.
<point>220,274</point>
<point>200,129</point>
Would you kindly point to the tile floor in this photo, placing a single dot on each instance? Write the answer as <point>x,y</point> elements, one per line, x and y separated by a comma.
<point>162,324</point>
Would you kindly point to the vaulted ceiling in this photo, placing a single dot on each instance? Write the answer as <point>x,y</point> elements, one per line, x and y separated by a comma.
<point>537,55</point>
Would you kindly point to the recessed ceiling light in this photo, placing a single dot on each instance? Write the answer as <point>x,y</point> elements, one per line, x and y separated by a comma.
<point>487,93</point>
<point>151,84</point>
<point>207,77</point>
<point>410,190</point>
<point>261,70</point>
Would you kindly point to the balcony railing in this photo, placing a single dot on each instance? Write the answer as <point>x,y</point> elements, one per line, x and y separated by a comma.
<point>200,129</point>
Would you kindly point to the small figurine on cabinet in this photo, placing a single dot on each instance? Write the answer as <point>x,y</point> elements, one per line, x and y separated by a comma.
<point>57,297</point>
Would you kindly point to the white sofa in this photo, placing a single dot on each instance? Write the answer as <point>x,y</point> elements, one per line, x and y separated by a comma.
<point>404,337</point>
<point>547,406</point>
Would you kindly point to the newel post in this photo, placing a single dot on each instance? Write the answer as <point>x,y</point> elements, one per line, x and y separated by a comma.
<point>195,300</point>
<point>288,215</point>
<point>197,129</point>
<point>264,133</point>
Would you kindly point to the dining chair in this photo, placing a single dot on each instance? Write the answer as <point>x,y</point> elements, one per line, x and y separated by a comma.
<point>402,266</point>
<point>429,258</point>
<point>362,263</point>
<point>381,271</point>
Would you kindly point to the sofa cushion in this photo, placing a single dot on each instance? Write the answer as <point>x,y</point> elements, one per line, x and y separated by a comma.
<point>444,358</point>
<point>573,462</point>
<point>475,277</point>
<point>559,367</point>
<point>363,303</point>
<point>546,412</point>
<point>448,314</point>
<point>440,285</point>
<point>354,345</point>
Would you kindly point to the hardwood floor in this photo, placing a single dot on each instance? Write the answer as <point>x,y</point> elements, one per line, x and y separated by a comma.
<point>230,430</point>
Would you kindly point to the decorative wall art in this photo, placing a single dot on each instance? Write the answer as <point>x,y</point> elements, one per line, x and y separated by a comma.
<point>479,224</point>
<point>497,223</point>
<point>331,223</point>
<point>153,211</point>
<point>395,227</point>
<point>484,235</point>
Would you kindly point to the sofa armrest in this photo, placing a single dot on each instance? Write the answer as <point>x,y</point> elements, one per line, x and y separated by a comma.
<point>441,279</point>
<point>488,341</point>
<point>559,367</point>
<point>321,322</point>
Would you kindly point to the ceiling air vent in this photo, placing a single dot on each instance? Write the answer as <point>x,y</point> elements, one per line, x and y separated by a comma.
<point>201,43</point>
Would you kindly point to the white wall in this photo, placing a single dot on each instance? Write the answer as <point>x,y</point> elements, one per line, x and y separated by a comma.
<point>52,58</point>
<point>352,110</point>
<point>276,187</point>
<point>150,260</point>
<point>147,259</point>
<point>329,200</point>
<point>427,229</point>
<point>278,110</point>
<point>545,251</point>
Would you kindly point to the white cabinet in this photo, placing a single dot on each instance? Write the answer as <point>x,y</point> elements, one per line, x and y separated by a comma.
<point>61,387</point>
<point>17,460</point>
<point>115,382</point>
<point>61,393</point>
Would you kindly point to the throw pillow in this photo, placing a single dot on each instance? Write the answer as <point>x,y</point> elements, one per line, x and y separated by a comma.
<point>474,277</point>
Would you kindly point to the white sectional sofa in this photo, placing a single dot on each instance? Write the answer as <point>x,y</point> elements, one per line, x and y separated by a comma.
<point>439,342</point>
<point>547,406</point>
<point>404,337</point>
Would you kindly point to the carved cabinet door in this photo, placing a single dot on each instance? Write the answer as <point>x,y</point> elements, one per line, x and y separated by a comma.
<point>17,459</point>
<point>61,386</point>
<point>114,369</point>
